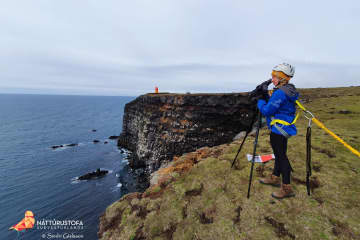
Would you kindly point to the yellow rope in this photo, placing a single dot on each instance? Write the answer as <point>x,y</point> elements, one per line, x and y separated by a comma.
<point>321,125</point>
<point>273,121</point>
<point>300,106</point>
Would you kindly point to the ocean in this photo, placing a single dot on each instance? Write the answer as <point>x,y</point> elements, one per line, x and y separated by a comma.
<point>34,177</point>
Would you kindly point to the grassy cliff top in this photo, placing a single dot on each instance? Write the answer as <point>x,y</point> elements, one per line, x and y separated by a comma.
<point>168,94</point>
<point>314,92</point>
<point>199,196</point>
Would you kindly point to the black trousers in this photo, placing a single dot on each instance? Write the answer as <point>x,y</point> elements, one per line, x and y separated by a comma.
<point>282,165</point>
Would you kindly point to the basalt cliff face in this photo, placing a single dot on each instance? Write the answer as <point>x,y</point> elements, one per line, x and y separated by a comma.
<point>157,127</point>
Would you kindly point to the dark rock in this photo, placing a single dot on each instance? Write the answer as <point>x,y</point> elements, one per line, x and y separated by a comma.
<point>98,173</point>
<point>72,145</point>
<point>345,112</point>
<point>113,137</point>
<point>96,141</point>
<point>158,127</point>
<point>106,142</point>
<point>57,146</point>
<point>94,130</point>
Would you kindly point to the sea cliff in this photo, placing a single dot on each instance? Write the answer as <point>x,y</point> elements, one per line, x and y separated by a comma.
<point>157,127</point>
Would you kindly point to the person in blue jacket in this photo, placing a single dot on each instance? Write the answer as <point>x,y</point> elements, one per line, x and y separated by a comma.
<point>279,111</point>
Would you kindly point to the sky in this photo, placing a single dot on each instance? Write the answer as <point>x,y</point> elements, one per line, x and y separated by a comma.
<point>114,47</point>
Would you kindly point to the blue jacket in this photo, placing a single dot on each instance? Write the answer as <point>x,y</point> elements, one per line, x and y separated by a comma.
<point>281,105</point>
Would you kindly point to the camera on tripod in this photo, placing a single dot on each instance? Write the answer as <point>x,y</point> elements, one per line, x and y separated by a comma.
<point>260,92</point>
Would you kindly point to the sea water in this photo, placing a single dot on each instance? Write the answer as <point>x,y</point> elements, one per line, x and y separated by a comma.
<point>35,177</point>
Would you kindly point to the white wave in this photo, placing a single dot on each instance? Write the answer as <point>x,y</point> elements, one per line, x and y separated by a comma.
<point>117,175</point>
<point>116,188</point>
<point>123,151</point>
<point>62,148</point>
<point>125,161</point>
<point>75,180</point>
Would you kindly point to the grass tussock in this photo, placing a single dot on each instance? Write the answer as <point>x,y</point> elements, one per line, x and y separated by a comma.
<point>199,196</point>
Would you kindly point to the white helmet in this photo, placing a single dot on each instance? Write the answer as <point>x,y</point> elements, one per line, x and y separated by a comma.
<point>285,68</point>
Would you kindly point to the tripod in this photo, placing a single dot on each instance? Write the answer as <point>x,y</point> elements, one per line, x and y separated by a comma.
<point>258,114</point>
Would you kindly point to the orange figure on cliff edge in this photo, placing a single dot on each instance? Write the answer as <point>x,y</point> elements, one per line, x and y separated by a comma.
<point>26,223</point>
<point>156,90</point>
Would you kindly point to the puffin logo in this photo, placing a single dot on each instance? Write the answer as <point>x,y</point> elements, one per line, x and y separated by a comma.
<point>26,223</point>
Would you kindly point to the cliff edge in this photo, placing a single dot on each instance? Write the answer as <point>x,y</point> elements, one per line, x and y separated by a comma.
<point>157,127</point>
<point>198,195</point>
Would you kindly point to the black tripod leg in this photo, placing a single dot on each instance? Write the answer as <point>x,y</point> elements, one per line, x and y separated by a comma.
<point>254,152</point>
<point>247,133</point>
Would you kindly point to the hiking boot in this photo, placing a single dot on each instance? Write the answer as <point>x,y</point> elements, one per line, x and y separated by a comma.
<point>284,192</point>
<point>271,180</point>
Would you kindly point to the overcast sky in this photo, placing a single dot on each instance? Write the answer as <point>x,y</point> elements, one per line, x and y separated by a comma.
<point>114,47</point>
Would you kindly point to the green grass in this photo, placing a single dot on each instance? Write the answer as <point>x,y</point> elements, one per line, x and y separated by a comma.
<point>219,209</point>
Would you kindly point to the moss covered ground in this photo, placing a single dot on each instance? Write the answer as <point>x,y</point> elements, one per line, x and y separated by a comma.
<point>201,197</point>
